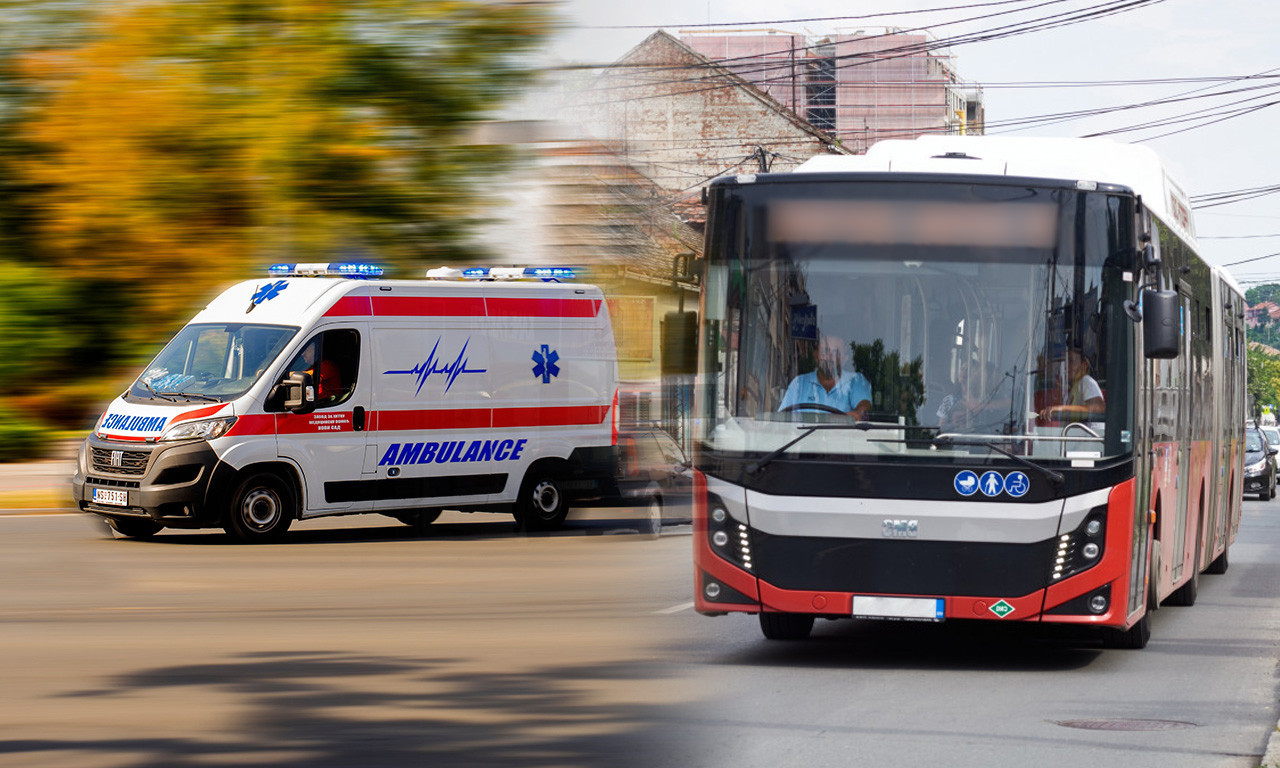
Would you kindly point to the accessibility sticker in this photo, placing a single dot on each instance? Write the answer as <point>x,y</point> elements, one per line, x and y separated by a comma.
<point>992,484</point>
<point>966,483</point>
<point>1016,484</point>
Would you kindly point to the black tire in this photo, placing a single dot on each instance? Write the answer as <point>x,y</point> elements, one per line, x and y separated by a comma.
<point>135,529</point>
<point>1185,595</point>
<point>786,626</point>
<point>1133,638</point>
<point>542,504</point>
<point>1220,564</point>
<point>651,523</point>
<point>261,509</point>
<point>418,519</point>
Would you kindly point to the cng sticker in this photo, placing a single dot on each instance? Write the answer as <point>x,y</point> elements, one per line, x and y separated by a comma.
<point>1001,609</point>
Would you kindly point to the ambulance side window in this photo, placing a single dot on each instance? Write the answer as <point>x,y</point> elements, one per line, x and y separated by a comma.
<point>332,358</point>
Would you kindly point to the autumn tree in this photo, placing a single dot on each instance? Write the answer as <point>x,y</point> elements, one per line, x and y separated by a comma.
<point>167,148</point>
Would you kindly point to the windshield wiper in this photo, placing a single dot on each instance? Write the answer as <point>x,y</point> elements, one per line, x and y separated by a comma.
<point>863,426</point>
<point>1055,477</point>
<point>190,396</point>
<point>153,391</point>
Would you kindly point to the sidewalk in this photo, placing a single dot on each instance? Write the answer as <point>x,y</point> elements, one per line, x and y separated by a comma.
<point>38,485</point>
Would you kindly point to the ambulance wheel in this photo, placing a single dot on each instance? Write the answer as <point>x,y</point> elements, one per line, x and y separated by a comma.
<point>542,505</point>
<point>786,626</point>
<point>418,519</point>
<point>135,529</point>
<point>261,509</point>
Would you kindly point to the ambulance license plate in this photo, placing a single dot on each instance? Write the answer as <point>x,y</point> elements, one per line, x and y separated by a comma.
<point>114,498</point>
<point>900,608</point>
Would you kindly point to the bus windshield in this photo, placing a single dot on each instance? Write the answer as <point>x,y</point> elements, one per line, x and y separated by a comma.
<point>211,362</point>
<point>984,315</point>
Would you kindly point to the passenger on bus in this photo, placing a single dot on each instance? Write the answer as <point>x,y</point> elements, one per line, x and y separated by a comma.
<point>832,383</point>
<point>1085,401</point>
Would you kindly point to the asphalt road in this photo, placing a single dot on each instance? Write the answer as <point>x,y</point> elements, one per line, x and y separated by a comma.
<point>351,644</point>
<point>1203,692</point>
<point>355,644</point>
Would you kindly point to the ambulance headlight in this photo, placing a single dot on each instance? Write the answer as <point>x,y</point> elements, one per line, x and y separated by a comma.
<point>205,429</point>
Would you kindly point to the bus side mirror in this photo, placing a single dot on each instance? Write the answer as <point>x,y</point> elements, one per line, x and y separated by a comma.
<point>300,394</point>
<point>1161,324</point>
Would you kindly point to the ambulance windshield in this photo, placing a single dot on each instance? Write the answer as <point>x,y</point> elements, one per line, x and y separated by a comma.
<point>212,362</point>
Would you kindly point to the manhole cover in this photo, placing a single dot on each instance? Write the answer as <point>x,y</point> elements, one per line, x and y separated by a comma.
<point>1125,725</point>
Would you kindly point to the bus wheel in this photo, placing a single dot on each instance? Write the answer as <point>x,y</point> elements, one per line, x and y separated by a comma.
<point>261,509</point>
<point>1219,564</point>
<point>1186,594</point>
<point>135,529</point>
<point>786,626</point>
<point>542,505</point>
<point>1133,638</point>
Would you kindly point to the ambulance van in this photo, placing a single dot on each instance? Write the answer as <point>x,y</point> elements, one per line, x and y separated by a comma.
<point>326,390</point>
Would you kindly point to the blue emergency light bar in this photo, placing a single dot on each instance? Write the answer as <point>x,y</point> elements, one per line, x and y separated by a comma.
<point>546,274</point>
<point>354,269</point>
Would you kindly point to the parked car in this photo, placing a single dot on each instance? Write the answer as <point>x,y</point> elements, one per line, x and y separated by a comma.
<point>1272,433</point>
<point>654,473</point>
<point>1259,464</point>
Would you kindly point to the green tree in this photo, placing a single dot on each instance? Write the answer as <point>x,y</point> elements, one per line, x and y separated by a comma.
<point>1263,378</point>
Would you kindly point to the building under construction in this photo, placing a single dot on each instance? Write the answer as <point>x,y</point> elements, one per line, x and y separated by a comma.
<point>860,87</point>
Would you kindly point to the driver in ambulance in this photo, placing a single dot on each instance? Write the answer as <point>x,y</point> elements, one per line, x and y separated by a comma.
<point>832,383</point>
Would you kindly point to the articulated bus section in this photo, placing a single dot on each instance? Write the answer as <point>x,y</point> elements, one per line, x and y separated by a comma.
<point>964,378</point>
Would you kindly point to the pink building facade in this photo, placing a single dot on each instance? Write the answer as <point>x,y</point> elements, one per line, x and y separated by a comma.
<point>860,87</point>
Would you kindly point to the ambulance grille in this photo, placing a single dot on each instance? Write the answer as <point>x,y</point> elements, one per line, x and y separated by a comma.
<point>129,462</point>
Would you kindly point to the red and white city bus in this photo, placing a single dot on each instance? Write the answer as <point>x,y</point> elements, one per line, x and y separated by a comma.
<point>964,378</point>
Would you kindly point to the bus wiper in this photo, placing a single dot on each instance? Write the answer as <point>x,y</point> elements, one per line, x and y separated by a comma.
<point>1055,477</point>
<point>190,396</point>
<point>864,426</point>
<point>153,391</point>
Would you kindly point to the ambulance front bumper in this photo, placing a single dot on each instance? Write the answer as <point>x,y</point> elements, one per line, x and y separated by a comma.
<point>173,484</point>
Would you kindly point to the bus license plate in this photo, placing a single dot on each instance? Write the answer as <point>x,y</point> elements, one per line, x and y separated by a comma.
<point>901,608</point>
<point>114,498</point>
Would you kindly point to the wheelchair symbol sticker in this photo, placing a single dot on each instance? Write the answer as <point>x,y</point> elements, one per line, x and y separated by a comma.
<point>966,483</point>
<point>1016,484</point>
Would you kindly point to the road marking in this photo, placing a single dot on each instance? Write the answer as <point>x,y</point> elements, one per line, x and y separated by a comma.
<point>676,608</point>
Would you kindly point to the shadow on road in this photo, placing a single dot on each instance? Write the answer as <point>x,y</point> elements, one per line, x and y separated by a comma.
<point>952,645</point>
<point>339,709</point>
<point>486,527</point>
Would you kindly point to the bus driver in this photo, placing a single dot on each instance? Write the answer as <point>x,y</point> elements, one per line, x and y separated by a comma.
<point>830,384</point>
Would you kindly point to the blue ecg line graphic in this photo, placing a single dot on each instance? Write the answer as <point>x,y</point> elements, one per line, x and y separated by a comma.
<point>431,366</point>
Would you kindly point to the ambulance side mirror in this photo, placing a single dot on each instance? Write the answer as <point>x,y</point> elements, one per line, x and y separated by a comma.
<point>299,392</point>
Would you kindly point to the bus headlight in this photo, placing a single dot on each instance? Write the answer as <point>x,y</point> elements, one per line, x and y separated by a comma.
<point>1082,548</point>
<point>204,429</point>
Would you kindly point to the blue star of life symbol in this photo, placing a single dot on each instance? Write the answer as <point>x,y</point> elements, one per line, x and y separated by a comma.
<point>269,291</point>
<point>546,363</point>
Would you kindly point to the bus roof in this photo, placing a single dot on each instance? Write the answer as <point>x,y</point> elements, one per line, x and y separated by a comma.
<point>1080,160</point>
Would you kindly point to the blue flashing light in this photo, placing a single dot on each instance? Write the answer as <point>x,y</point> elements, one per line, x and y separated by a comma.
<point>475,272</point>
<point>356,269</point>
<point>550,273</point>
<point>352,269</point>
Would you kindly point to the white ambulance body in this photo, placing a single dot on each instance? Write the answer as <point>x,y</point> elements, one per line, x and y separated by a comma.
<point>302,396</point>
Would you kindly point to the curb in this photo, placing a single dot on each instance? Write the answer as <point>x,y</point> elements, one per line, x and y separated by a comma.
<point>1271,759</point>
